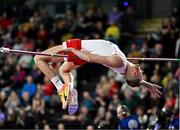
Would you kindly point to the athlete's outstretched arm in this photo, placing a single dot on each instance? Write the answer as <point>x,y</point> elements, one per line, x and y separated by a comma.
<point>111,61</point>
<point>153,88</point>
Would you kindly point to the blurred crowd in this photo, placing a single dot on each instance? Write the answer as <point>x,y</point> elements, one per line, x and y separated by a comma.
<point>29,100</point>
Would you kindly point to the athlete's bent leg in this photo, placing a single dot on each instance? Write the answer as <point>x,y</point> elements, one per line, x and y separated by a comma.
<point>42,61</point>
<point>65,71</point>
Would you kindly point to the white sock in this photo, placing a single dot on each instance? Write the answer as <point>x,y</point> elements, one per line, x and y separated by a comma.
<point>57,82</point>
<point>71,83</point>
<point>71,86</point>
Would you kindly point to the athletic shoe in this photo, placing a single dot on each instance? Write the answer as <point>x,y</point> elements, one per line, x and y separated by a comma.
<point>64,93</point>
<point>73,106</point>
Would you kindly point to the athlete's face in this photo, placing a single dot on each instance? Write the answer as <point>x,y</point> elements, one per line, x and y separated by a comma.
<point>134,76</point>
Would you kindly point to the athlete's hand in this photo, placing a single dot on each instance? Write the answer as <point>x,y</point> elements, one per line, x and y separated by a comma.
<point>65,51</point>
<point>153,89</point>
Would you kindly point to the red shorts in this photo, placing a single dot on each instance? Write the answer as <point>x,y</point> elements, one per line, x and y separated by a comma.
<point>76,44</point>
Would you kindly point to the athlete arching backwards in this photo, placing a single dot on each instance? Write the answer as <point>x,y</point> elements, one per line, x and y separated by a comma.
<point>93,51</point>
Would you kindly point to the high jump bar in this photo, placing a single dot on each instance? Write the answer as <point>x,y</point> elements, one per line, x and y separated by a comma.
<point>8,50</point>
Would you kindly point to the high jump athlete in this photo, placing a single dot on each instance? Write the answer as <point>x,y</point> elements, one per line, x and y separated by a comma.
<point>93,51</point>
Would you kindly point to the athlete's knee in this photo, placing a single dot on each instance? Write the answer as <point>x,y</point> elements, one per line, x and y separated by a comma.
<point>63,70</point>
<point>66,67</point>
<point>37,58</point>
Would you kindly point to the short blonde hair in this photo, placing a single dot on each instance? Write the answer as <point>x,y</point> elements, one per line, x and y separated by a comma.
<point>134,82</point>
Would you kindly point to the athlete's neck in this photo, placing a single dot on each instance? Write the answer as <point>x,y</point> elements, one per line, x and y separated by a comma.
<point>127,69</point>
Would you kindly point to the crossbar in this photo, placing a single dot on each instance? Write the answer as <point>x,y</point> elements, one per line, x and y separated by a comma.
<point>7,50</point>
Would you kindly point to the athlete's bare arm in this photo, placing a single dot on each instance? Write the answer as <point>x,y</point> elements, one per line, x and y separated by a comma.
<point>114,61</point>
<point>153,88</point>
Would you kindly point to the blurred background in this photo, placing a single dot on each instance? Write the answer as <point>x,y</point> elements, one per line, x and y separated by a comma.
<point>141,28</point>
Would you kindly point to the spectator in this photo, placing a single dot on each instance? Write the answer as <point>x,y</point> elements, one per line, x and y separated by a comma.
<point>32,29</point>
<point>127,121</point>
<point>89,19</point>
<point>10,118</point>
<point>38,104</point>
<point>170,100</point>
<point>61,126</point>
<point>109,121</point>
<point>115,16</point>
<point>25,61</point>
<point>114,88</point>
<point>167,81</point>
<point>36,17</point>
<point>12,101</point>
<point>2,119</point>
<point>17,44</point>
<point>112,32</point>
<point>47,127</point>
<point>21,118</point>
<point>84,117</point>
<point>56,33</point>
<point>28,44</point>
<point>114,102</point>
<point>69,20</point>
<point>20,34</point>
<point>5,22</point>
<point>134,52</point>
<point>130,99</point>
<point>6,72</point>
<point>48,88</point>
<point>90,127</point>
<point>100,115</point>
<point>155,78</point>
<point>88,101</point>
<point>35,73</point>
<point>142,117</point>
<point>153,117</point>
<point>145,50</point>
<point>145,98</point>
<point>128,22</point>
<point>29,87</point>
<point>98,30</point>
<point>2,99</point>
<point>101,16</point>
<point>26,101</point>
<point>42,33</point>
<point>101,98</point>
<point>166,120</point>
<point>19,76</point>
<point>9,34</point>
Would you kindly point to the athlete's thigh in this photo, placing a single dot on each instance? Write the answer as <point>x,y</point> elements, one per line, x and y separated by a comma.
<point>53,50</point>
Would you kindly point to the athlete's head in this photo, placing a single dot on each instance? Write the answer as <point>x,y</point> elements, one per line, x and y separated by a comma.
<point>133,75</point>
